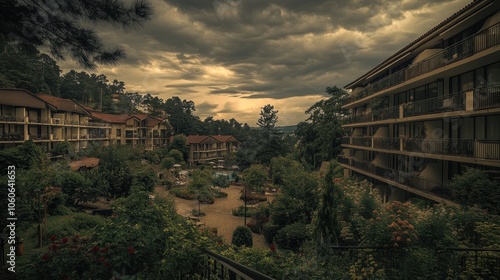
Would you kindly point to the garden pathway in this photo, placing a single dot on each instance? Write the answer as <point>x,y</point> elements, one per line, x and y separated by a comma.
<point>218,215</point>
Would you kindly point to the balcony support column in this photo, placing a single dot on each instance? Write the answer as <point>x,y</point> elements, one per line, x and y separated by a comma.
<point>26,132</point>
<point>469,100</point>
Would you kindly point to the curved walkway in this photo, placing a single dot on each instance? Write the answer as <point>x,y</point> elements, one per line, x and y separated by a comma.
<point>218,215</point>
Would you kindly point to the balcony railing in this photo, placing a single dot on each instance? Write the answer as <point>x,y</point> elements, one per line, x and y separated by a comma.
<point>487,97</point>
<point>474,44</point>
<point>376,115</point>
<point>361,118</point>
<point>40,137</point>
<point>97,124</point>
<point>454,263</point>
<point>11,119</point>
<point>35,120</point>
<point>97,136</point>
<point>386,143</point>
<point>11,137</point>
<point>365,141</point>
<point>215,266</point>
<point>484,149</point>
<point>409,179</point>
<point>452,102</point>
<point>346,140</point>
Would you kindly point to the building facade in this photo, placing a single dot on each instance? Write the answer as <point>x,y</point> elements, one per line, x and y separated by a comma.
<point>429,110</point>
<point>48,120</point>
<point>206,148</point>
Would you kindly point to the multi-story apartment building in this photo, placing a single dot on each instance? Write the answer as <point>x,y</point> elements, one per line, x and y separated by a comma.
<point>137,129</point>
<point>206,148</point>
<point>432,108</point>
<point>48,120</point>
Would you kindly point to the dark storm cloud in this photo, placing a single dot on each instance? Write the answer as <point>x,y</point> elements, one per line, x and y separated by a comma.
<point>247,50</point>
<point>206,107</point>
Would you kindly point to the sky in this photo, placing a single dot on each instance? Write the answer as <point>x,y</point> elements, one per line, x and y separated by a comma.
<point>232,57</point>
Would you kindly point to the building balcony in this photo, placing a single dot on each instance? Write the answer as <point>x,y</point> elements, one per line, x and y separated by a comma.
<point>11,137</point>
<point>98,124</point>
<point>10,118</point>
<point>34,120</point>
<point>410,180</point>
<point>97,136</point>
<point>387,143</point>
<point>487,97</point>
<point>452,102</point>
<point>40,137</point>
<point>480,149</point>
<point>472,45</point>
<point>376,115</point>
<point>56,121</point>
<point>364,141</point>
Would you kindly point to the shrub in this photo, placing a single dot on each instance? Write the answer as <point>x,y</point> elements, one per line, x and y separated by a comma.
<point>77,223</point>
<point>240,211</point>
<point>291,237</point>
<point>189,194</point>
<point>474,188</point>
<point>242,236</point>
<point>269,232</point>
<point>167,162</point>
<point>253,197</point>
<point>221,181</point>
<point>253,227</point>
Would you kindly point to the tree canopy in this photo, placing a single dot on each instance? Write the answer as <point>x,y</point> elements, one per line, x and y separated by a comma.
<point>63,26</point>
<point>320,134</point>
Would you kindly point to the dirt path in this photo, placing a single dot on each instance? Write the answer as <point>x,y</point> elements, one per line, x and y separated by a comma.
<point>218,215</point>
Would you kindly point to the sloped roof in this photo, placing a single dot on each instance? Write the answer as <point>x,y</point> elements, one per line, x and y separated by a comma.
<point>196,139</point>
<point>22,98</point>
<point>63,104</point>
<point>110,118</point>
<point>140,117</point>
<point>151,122</point>
<point>225,138</point>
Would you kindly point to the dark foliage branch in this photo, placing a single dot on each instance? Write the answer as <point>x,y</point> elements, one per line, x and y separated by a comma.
<point>63,26</point>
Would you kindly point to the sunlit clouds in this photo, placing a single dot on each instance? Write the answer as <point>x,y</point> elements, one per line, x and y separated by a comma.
<point>233,57</point>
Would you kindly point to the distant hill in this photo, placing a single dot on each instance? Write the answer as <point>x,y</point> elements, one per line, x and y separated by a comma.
<point>287,128</point>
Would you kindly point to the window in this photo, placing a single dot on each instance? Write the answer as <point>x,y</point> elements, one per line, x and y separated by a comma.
<point>118,132</point>
<point>493,74</point>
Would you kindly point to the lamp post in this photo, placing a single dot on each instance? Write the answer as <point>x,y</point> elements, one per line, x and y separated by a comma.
<point>245,209</point>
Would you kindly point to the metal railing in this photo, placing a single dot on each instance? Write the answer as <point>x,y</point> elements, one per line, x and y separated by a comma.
<point>451,263</point>
<point>386,143</point>
<point>216,266</point>
<point>343,159</point>
<point>365,141</point>
<point>361,118</point>
<point>11,119</point>
<point>11,137</point>
<point>487,97</point>
<point>40,137</point>
<point>474,44</point>
<point>97,124</point>
<point>409,179</point>
<point>452,102</point>
<point>484,149</point>
<point>386,113</point>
